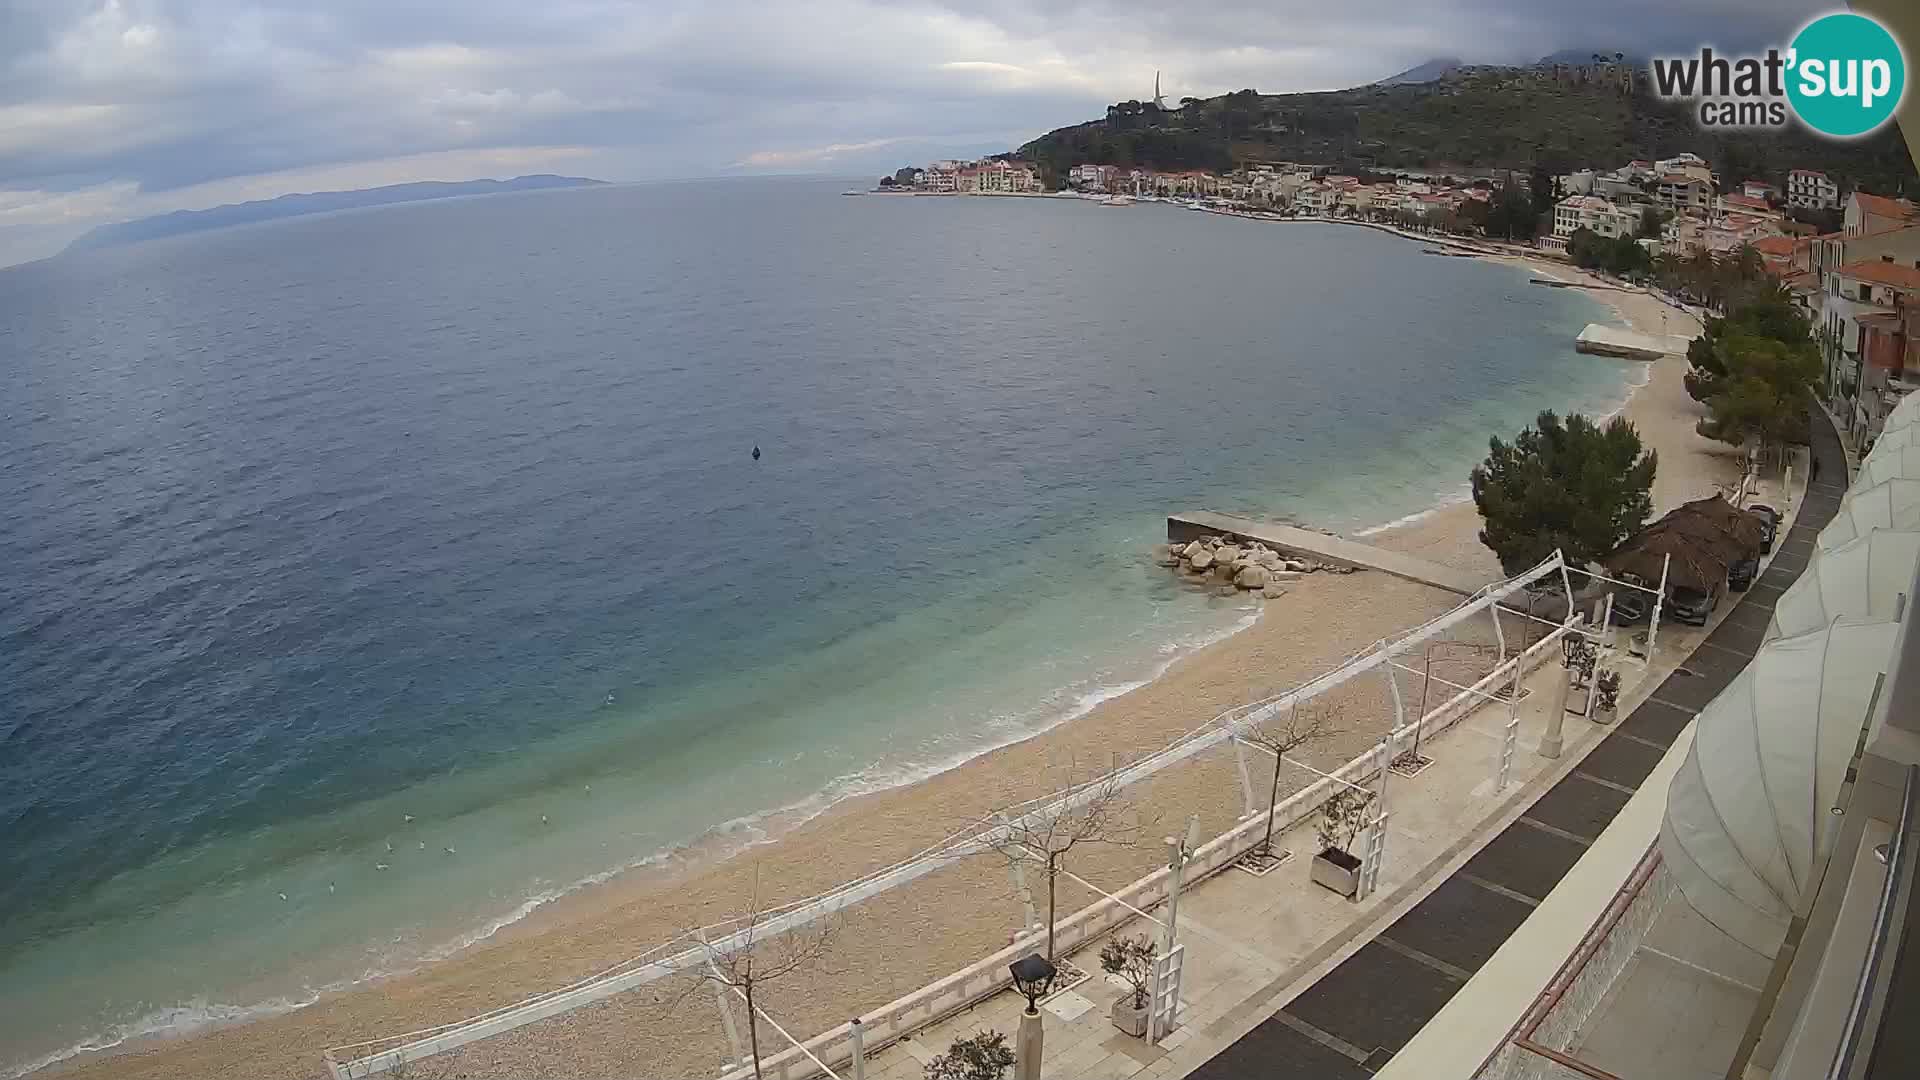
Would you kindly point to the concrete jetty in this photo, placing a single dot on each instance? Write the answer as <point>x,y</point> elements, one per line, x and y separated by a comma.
<point>1627,344</point>
<point>1321,547</point>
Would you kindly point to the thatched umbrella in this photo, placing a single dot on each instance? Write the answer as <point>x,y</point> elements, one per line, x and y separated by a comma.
<point>1743,529</point>
<point>1698,550</point>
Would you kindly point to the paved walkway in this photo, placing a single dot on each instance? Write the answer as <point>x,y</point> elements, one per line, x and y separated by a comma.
<point>1350,1022</point>
<point>1322,547</point>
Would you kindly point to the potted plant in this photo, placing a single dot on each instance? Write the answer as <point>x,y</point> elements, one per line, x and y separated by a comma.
<point>1582,655</point>
<point>1131,959</point>
<point>1606,697</point>
<point>983,1055</point>
<point>1340,819</point>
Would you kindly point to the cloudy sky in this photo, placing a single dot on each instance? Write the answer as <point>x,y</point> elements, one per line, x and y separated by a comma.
<point>111,109</point>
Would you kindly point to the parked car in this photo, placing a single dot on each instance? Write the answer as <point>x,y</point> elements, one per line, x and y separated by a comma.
<point>1771,518</point>
<point>1741,574</point>
<point>1692,606</point>
<point>1630,607</point>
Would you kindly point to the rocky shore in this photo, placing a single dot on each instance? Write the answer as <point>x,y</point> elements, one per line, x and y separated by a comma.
<point>1219,561</point>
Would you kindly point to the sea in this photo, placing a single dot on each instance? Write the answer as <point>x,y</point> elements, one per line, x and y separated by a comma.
<point>368,580</point>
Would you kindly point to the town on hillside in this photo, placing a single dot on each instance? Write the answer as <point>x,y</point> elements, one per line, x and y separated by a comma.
<point>1851,261</point>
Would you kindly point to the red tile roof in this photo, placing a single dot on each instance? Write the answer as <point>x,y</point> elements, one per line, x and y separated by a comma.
<point>1881,206</point>
<point>1775,245</point>
<point>1749,202</point>
<point>1897,275</point>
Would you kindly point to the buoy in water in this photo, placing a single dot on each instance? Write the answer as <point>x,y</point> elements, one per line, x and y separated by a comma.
<point>756,453</point>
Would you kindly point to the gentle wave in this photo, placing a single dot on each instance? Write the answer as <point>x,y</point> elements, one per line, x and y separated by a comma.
<point>171,1022</point>
<point>722,841</point>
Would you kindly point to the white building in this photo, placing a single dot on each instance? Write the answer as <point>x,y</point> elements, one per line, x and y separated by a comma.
<point>1810,188</point>
<point>1680,191</point>
<point>1577,212</point>
<point>941,176</point>
<point>1681,163</point>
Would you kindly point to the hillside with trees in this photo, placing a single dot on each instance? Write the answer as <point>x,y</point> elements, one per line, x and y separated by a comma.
<point>1475,119</point>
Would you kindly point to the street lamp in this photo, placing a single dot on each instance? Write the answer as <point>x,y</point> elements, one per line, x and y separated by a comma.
<point>1032,976</point>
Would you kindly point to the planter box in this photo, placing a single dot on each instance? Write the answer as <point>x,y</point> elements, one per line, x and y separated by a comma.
<point>1337,870</point>
<point>1603,716</point>
<point>1127,1018</point>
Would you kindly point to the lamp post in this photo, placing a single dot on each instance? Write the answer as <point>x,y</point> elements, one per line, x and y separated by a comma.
<point>1032,976</point>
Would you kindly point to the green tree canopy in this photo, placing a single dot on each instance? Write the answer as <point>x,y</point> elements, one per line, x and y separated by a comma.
<point>1765,312</point>
<point>1574,486</point>
<point>1763,391</point>
<point>1616,254</point>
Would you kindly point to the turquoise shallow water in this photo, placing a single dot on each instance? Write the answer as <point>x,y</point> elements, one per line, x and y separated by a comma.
<point>449,511</point>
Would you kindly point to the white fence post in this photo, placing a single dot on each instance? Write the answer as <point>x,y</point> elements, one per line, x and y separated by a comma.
<point>1246,780</point>
<point>1377,828</point>
<point>1653,625</point>
<point>857,1036</point>
<point>1510,739</point>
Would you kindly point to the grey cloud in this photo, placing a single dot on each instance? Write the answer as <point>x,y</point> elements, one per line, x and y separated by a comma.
<point>172,94</point>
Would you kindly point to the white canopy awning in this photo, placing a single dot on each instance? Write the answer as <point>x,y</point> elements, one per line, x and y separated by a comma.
<point>1747,826</point>
<point>1889,462</point>
<point>1864,577</point>
<point>1891,504</point>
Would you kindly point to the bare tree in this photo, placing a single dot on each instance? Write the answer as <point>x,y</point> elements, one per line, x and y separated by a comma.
<point>1281,735</point>
<point>753,954</point>
<point>1091,812</point>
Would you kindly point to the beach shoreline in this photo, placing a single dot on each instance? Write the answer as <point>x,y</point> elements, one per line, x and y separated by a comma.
<point>1322,621</point>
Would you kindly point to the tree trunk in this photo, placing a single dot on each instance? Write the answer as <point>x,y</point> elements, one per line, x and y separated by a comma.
<point>1050,873</point>
<point>753,1027</point>
<point>1273,801</point>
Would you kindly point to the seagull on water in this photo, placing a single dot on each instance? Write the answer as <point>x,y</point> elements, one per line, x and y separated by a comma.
<point>423,845</point>
<point>448,850</point>
<point>329,888</point>
<point>389,847</point>
<point>543,819</point>
<point>379,866</point>
<point>408,818</point>
<point>283,898</point>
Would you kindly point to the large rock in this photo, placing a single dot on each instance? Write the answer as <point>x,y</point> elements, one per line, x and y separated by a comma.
<point>1295,565</point>
<point>1201,559</point>
<point>1227,553</point>
<point>1251,577</point>
<point>1269,559</point>
<point>1192,549</point>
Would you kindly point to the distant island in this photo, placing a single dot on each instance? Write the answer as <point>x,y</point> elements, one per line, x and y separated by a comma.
<point>319,202</point>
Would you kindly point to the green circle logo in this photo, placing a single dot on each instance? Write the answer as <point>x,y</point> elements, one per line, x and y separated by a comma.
<point>1846,75</point>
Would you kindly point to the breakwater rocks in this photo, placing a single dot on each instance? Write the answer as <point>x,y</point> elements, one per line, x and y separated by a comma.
<point>1253,566</point>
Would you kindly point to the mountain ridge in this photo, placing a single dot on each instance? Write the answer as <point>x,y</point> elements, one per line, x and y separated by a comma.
<point>227,215</point>
<point>1477,120</point>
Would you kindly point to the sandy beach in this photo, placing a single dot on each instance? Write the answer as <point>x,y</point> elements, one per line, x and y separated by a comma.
<point>942,922</point>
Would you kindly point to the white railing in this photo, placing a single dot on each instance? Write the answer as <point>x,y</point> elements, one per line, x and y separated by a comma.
<point>942,998</point>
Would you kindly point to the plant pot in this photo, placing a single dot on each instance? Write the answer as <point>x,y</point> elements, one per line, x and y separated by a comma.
<point>1337,870</point>
<point>1604,714</point>
<point>1127,1018</point>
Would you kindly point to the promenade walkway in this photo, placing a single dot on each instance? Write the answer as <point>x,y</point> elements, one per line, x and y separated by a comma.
<point>1322,547</point>
<point>1353,1019</point>
<point>1287,980</point>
